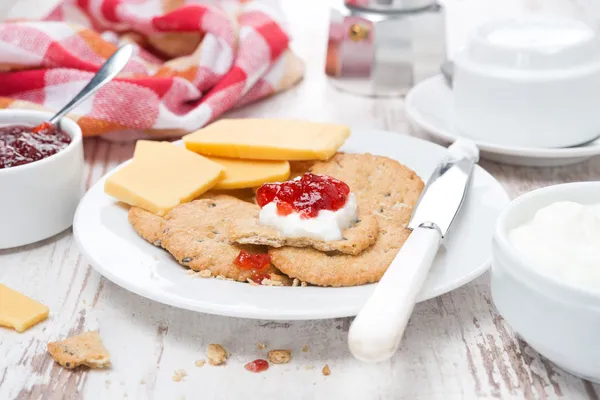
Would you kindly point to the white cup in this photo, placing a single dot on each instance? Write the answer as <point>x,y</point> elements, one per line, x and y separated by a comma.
<point>38,200</point>
<point>529,82</point>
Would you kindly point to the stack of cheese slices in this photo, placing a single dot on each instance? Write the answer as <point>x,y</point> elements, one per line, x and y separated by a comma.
<point>226,155</point>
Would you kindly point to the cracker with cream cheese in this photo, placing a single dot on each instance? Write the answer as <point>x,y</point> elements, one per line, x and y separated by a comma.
<point>383,187</point>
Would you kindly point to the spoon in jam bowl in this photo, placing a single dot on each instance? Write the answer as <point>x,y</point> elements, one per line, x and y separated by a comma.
<point>115,63</point>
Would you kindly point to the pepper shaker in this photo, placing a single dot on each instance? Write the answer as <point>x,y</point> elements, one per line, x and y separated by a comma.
<point>383,47</point>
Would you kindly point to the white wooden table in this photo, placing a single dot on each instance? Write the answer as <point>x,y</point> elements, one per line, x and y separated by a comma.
<point>456,346</point>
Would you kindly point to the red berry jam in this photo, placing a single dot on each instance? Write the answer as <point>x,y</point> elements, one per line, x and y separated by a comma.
<point>258,277</point>
<point>307,195</point>
<point>20,144</point>
<point>259,365</point>
<point>255,262</point>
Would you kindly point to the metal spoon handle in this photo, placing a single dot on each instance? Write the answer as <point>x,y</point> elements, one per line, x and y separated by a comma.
<point>106,73</point>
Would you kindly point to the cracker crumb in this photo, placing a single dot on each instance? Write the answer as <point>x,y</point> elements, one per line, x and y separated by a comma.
<point>216,354</point>
<point>261,345</point>
<point>270,282</point>
<point>326,371</point>
<point>305,348</point>
<point>309,367</point>
<point>107,382</point>
<point>206,273</point>
<point>280,356</point>
<point>142,382</point>
<point>178,375</point>
<point>251,282</point>
<point>303,284</point>
<point>200,363</point>
<point>223,278</point>
<point>296,282</point>
<point>84,302</point>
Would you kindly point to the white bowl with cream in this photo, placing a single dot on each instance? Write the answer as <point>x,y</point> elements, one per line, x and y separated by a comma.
<point>547,287</point>
<point>529,82</point>
<point>39,199</point>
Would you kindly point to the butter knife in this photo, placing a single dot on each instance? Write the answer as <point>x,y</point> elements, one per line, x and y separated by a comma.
<point>377,330</point>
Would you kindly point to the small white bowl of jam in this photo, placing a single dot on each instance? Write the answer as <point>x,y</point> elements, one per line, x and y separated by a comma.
<point>545,275</point>
<point>41,176</point>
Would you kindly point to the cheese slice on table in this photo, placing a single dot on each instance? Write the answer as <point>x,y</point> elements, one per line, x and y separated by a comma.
<point>268,139</point>
<point>19,311</point>
<point>240,174</point>
<point>161,176</point>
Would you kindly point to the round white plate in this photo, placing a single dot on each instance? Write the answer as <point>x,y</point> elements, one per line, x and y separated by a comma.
<point>113,248</point>
<point>430,105</point>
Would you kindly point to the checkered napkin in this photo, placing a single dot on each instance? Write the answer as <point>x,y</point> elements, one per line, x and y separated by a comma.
<point>192,62</point>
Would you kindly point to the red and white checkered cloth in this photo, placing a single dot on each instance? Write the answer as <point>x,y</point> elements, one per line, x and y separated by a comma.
<point>192,62</point>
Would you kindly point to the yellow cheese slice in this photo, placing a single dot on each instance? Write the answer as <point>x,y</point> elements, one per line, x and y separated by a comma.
<point>162,176</point>
<point>19,311</point>
<point>241,174</point>
<point>268,139</point>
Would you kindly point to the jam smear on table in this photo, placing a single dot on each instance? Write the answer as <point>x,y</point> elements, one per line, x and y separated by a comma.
<point>254,262</point>
<point>21,144</point>
<point>307,195</point>
<point>259,365</point>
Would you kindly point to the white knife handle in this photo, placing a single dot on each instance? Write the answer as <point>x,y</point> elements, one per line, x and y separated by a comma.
<point>377,329</point>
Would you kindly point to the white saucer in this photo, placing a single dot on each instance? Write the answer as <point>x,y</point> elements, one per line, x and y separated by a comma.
<point>110,244</point>
<point>429,107</point>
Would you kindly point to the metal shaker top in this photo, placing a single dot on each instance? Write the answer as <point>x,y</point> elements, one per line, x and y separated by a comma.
<point>390,5</point>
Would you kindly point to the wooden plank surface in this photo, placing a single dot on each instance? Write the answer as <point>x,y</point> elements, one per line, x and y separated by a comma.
<point>456,346</point>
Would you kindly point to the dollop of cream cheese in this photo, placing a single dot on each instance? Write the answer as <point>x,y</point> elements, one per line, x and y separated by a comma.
<point>327,225</point>
<point>563,239</point>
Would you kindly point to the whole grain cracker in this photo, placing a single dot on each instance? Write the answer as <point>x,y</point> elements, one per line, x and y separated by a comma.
<point>196,234</point>
<point>85,349</point>
<point>379,184</point>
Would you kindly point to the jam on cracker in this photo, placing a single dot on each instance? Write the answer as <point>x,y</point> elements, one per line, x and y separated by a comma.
<point>254,262</point>
<point>306,196</point>
<point>20,144</point>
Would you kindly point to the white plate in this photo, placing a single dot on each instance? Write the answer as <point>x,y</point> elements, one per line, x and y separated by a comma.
<point>113,248</point>
<point>430,106</point>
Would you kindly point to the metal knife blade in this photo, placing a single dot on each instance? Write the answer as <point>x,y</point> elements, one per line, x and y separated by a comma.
<point>445,190</point>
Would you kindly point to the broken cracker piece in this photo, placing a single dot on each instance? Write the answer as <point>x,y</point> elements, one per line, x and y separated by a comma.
<point>85,349</point>
<point>280,356</point>
<point>216,354</point>
<point>355,239</point>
